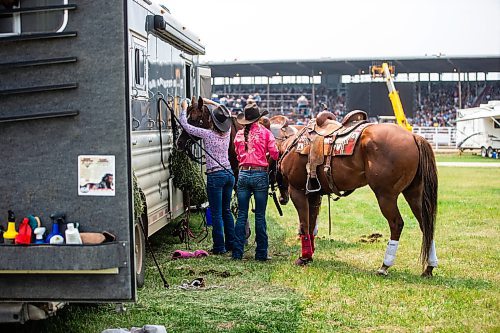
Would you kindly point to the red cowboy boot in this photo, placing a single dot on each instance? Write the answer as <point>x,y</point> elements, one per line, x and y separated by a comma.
<point>307,250</point>
<point>312,243</point>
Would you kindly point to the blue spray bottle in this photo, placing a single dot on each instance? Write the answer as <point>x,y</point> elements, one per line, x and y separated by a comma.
<point>56,237</point>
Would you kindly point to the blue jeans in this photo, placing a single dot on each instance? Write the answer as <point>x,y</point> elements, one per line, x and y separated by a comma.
<point>256,183</point>
<point>219,190</point>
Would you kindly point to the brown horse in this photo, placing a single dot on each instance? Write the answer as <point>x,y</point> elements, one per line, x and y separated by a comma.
<point>198,115</point>
<point>387,158</point>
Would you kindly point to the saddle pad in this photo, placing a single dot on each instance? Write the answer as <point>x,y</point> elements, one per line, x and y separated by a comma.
<point>343,145</point>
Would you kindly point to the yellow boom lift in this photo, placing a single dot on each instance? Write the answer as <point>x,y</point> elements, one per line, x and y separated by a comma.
<point>387,71</point>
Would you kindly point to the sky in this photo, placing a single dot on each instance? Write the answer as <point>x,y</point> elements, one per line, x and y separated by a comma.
<point>235,30</point>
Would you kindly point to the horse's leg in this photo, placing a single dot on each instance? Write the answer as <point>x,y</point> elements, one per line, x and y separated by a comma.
<point>282,182</point>
<point>301,204</point>
<point>389,206</point>
<point>413,195</point>
<point>314,207</point>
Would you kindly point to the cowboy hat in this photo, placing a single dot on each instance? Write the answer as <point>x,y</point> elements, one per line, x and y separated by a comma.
<point>250,114</point>
<point>221,117</point>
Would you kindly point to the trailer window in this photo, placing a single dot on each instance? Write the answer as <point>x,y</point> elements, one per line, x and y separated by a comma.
<point>188,81</point>
<point>139,70</point>
<point>496,123</point>
<point>37,22</point>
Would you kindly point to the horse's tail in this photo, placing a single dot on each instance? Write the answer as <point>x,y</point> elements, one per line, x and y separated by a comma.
<point>427,171</point>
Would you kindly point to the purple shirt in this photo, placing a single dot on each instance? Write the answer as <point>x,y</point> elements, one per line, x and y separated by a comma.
<point>216,144</point>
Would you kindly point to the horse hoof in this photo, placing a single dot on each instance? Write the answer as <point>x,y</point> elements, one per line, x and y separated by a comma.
<point>303,261</point>
<point>283,201</point>
<point>428,272</point>
<point>382,271</point>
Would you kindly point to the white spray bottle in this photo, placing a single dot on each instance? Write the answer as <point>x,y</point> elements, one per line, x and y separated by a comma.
<point>39,232</point>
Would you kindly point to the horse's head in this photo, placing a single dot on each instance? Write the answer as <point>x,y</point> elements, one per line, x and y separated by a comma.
<point>197,115</point>
<point>282,131</point>
<point>284,135</point>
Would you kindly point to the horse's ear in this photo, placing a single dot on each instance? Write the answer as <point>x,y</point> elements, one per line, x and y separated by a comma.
<point>193,100</point>
<point>200,102</point>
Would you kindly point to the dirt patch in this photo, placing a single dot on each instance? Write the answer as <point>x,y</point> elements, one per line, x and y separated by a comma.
<point>224,274</point>
<point>226,326</point>
<point>373,238</point>
<point>186,268</point>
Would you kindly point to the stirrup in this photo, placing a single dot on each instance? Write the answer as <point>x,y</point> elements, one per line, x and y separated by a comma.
<point>310,189</point>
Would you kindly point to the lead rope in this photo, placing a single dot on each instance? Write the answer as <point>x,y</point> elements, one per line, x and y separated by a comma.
<point>329,217</point>
<point>148,245</point>
<point>160,123</point>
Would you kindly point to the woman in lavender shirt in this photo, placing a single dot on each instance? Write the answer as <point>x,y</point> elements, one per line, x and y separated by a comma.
<point>220,179</point>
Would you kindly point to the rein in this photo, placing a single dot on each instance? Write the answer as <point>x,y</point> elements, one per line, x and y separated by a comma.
<point>292,145</point>
<point>174,118</point>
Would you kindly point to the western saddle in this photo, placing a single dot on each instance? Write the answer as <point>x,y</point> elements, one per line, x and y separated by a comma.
<point>324,136</point>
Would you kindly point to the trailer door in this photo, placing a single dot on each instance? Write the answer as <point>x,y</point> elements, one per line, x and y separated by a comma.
<point>204,83</point>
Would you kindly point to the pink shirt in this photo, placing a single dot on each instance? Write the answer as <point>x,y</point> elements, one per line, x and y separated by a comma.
<point>260,142</point>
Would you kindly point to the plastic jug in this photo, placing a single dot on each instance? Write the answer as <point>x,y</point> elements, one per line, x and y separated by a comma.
<point>24,235</point>
<point>72,235</point>
<point>208,215</point>
<point>11,232</point>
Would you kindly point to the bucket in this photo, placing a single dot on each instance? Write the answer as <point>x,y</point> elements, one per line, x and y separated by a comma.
<point>208,216</point>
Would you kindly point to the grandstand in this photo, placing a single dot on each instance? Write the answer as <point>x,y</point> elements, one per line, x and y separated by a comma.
<point>431,88</point>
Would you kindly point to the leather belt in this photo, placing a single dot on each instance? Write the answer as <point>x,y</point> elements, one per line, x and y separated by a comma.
<point>215,169</point>
<point>253,167</point>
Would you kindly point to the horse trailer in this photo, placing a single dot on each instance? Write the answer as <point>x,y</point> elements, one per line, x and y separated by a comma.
<point>83,112</point>
<point>479,128</point>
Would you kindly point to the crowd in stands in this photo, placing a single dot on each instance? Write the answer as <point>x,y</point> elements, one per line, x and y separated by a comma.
<point>294,102</point>
<point>436,105</point>
<point>439,107</point>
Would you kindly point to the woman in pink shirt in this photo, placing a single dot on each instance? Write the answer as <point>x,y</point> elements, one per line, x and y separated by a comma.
<point>252,144</point>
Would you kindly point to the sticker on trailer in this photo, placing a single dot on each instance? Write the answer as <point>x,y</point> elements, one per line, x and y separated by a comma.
<point>96,175</point>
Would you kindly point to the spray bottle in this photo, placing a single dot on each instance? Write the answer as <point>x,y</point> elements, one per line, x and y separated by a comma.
<point>11,232</point>
<point>55,237</point>
<point>39,232</point>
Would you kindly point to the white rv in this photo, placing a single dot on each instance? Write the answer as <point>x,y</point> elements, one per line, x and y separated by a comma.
<point>479,128</point>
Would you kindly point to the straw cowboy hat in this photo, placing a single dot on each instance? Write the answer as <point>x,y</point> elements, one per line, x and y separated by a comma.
<point>221,117</point>
<point>250,114</point>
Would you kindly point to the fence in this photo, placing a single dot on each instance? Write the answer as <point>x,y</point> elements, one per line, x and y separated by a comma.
<point>438,137</point>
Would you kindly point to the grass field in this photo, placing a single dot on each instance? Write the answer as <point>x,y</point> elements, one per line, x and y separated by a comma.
<point>466,156</point>
<point>339,292</point>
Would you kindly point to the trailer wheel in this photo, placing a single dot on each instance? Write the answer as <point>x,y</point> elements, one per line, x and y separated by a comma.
<point>483,152</point>
<point>489,152</point>
<point>140,253</point>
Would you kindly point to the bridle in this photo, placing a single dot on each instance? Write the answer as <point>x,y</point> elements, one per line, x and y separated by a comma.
<point>193,140</point>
